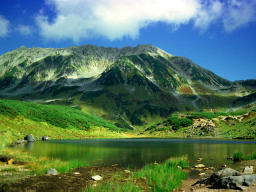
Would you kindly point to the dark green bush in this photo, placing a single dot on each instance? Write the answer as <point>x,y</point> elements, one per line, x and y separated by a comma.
<point>177,122</point>
<point>238,156</point>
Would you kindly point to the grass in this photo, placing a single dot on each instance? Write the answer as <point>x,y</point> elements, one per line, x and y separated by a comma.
<point>211,115</point>
<point>153,177</point>
<point>164,177</point>
<point>239,156</point>
<point>59,116</point>
<point>244,129</point>
<point>18,119</point>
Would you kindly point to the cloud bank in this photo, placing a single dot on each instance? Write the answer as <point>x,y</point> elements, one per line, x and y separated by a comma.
<point>116,19</point>
<point>4,26</point>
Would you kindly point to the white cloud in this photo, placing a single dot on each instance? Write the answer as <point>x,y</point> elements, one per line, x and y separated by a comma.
<point>239,13</point>
<point>24,29</point>
<point>210,13</point>
<point>115,19</point>
<point>4,26</point>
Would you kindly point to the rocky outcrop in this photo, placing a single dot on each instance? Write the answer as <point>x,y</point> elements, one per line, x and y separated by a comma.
<point>228,178</point>
<point>203,127</point>
<point>236,182</point>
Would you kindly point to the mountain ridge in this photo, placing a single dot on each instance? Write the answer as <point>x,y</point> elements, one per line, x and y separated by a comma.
<point>131,84</point>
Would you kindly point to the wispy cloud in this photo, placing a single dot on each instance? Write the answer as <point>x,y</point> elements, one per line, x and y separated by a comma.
<point>4,26</point>
<point>239,13</point>
<point>24,29</point>
<point>115,19</point>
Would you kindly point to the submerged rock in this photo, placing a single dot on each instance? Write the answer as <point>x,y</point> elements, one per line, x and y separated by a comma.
<point>52,171</point>
<point>29,138</point>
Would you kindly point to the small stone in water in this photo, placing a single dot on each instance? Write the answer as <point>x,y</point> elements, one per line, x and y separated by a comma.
<point>76,173</point>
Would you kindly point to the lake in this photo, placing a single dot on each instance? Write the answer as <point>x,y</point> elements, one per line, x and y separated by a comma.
<point>137,152</point>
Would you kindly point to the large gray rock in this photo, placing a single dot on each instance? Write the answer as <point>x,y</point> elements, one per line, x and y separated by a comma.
<point>236,182</point>
<point>52,171</point>
<point>226,172</point>
<point>29,138</point>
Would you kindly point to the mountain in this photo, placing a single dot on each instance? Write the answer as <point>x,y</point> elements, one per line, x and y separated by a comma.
<point>131,86</point>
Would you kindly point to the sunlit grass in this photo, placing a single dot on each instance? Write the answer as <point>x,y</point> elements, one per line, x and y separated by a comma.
<point>153,177</point>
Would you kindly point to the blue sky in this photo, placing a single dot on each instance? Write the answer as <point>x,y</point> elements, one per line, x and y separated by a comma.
<point>219,35</point>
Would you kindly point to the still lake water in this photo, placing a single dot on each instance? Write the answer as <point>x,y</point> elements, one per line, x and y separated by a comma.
<point>136,153</point>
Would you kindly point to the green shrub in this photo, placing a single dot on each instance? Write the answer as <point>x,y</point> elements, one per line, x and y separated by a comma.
<point>177,122</point>
<point>238,156</point>
<point>203,115</point>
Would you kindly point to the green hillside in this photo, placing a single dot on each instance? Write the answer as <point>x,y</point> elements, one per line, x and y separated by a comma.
<point>18,118</point>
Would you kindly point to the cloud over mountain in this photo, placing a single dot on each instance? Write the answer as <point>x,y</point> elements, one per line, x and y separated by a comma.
<point>115,19</point>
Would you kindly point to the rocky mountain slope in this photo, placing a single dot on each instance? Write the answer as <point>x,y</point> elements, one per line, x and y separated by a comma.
<point>131,86</point>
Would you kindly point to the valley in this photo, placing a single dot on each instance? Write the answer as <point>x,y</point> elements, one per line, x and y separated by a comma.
<point>93,94</point>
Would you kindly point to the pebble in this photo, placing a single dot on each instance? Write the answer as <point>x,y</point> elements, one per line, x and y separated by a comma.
<point>96,178</point>
<point>201,174</point>
<point>52,171</point>
<point>199,166</point>
<point>76,173</point>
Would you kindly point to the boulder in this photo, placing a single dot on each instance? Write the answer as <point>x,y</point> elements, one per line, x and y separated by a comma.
<point>226,172</point>
<point>45,138</point>
<point>248,170</point>
<point>29,138</point>
<point>236,182</point>
<point>96,178</point>
<point>52,171</point>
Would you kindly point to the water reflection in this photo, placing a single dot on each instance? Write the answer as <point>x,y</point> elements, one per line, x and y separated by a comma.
<point>138,152</point>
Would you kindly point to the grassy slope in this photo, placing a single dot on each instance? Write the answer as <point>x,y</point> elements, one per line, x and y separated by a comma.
<point>232,127</point>
<point>19,118</point>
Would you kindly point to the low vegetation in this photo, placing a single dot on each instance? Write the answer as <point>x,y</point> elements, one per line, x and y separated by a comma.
<point>59,116</point>
<point>153,177</point>
<point>239,156</point>
<point>211,115</point>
